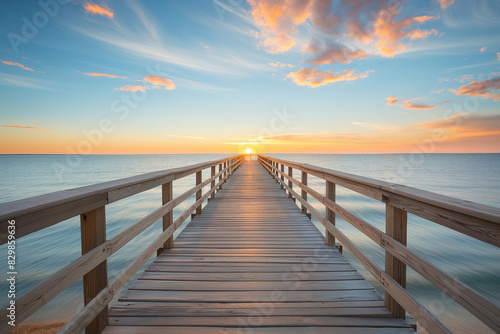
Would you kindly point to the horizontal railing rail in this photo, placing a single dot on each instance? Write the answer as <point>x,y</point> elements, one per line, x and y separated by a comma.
<point>89,203</point>
<point>478,221</point>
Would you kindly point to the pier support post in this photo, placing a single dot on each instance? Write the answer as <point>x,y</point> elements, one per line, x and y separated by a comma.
<point>304,193</point>
<point>395,227</point>
<point>198,193</point>
<point>212,184</point>
<point>330,215</point>
<point>93,233</point>
<point>290,183</point>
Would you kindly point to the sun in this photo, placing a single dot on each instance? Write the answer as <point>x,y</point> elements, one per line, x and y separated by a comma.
<point>249,150</point>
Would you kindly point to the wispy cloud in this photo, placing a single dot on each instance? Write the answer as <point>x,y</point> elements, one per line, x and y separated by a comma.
<point>483,88</point>
<point>132,88</point>
<point>159,82</point>
<point>408,103</point>
<point>11,63</point>
<point>378,127</point>
<point>94,74</point>
<point>23,127</point>
<point>187,137</point>
<point>446,3</point>
<point>24,82</point>
<point>95,9</point>
<point>483,49</point>
<point>313,77</point>
<point>278,64</point>
<point>425,18</point>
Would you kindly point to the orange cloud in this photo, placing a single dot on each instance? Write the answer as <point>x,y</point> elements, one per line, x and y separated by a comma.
<point>446,3</point>
<point>312,77</point>
<point>411,105</point>
<point>423,34</point>
<point>159,82</point>
<point>498,55</point>
<point>483,88</point>
<point>483,49</point>
<point>437,91</point>
<point>11,63</point>
<point>332,54</point>
<point>94,8</point>
<point>277,19</point>
<point>93,74</point>
<point>408,104</point>
<point>389,32</point>
<point>467,124</point>
<point>278,64</point>
<point>392,101</point>
<point>425,18</point>
<point>132,88</point>
<point>280,43</point>
<point>23,127</point>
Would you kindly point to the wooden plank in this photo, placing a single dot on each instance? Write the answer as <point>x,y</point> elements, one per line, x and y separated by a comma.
<point>93,233</point>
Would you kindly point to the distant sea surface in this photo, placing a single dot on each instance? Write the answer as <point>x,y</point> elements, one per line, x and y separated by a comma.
<point>474,177</point>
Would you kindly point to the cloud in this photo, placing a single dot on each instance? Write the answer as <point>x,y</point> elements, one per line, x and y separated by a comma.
<point>437,91</point>
<point>187,137</point>
<point>445,3</point>
<point>159,82</point>
<point>483,88</point>
<point>498,56</point>
<point>332,53</point>
<point>467,124</point>
<point>132,88</point>
<point>94,8</point>
<point>11,63</point>
<point>423,34</point>
<point>378,127</point>
<point>277,20</point>
<point>312,77</point>
<point>392,101</point>
<point>94,74</point>
<point>278,64</point>
<point>425,18</point>
<point>483,49</point>
<point>23,127</point>
<point>408,104</point>
<point>24,82</point>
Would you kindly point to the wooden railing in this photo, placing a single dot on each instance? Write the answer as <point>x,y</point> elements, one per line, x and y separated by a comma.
<point>478,221</point>
<point>36,213</point>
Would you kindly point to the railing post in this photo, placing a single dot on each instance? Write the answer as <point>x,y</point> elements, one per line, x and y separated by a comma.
<point>225,170</point>
<point>198,193</point>
<point>282,177</point>
<point>220,176</point>
<point>166,196</point>
<point>304,193</point>
<point>212,184</point>
<point>330,215</point>
<point>395,227</point>
<point>93,233</point>
<point>290,183</point>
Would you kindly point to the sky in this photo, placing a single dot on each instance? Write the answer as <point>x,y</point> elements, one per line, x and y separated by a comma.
<point>272,76</point>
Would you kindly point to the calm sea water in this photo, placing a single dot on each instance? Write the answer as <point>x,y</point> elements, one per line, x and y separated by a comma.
<point>474,177</point>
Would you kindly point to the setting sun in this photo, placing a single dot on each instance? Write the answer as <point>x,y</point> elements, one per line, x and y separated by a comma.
<point>248,150</point>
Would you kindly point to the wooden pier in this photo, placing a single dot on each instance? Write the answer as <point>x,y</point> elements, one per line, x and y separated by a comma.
<point>250,260</point>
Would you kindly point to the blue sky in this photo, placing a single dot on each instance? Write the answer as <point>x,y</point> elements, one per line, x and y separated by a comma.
<point>218,76</point>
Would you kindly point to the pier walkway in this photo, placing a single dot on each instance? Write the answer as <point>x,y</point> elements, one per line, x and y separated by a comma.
<point>252,261</point>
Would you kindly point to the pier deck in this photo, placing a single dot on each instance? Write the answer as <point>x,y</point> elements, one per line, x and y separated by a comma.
<point>252,262</point>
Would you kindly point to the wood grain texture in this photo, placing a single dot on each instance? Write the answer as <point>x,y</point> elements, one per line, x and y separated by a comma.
<point>251,262</point>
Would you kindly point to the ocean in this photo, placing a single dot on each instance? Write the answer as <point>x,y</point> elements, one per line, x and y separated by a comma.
<point>474,177</point>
